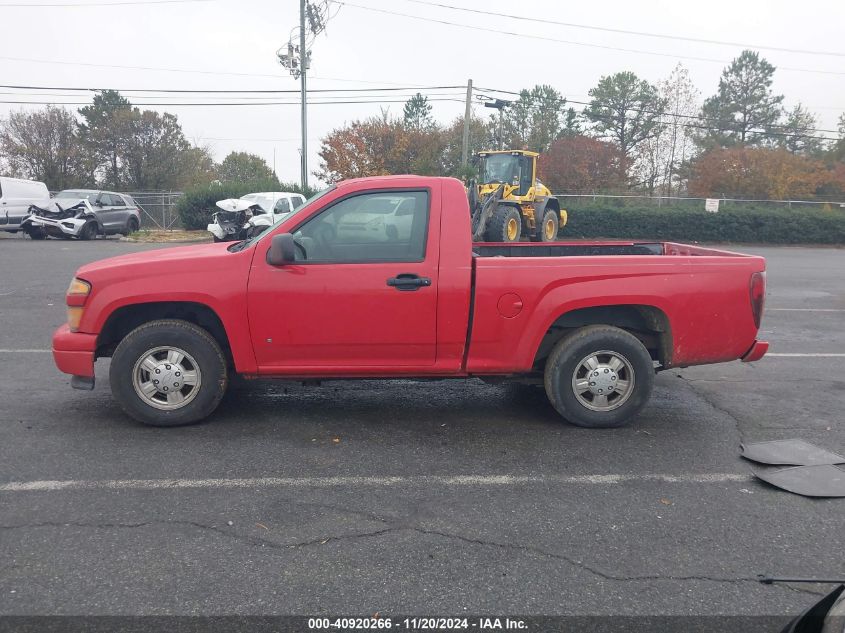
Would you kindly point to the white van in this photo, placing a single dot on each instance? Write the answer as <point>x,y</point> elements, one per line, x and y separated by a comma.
<point>16,195</point>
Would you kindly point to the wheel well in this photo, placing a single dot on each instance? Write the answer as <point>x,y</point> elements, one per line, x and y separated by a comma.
<point>553,204</point>
<point>649,324</point>
<point>123,320</point>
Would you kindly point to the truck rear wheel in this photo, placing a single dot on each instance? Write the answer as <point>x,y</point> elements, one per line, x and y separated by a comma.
<point>168,373</point>
<point>599,376</point>
<point>505,225</point>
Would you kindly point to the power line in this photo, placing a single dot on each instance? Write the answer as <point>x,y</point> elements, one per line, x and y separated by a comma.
<point>561,41</point>
<point>122,3</point>
<point>156,68</point>
<point>226,91</point>
<point>625,31</point>
<point>207,103</point>
<point>255,99</point>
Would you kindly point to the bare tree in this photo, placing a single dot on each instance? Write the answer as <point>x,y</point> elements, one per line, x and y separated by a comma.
<point>682,103</point>
<point>657,158</point>
<point>44,145</point>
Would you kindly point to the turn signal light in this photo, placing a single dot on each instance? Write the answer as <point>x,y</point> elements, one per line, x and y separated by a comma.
<point>77,294</point>
<point>74,316</point>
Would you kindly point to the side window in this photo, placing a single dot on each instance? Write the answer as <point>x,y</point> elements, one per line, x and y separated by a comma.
<point>297,201</point>
<point>106,199</point>
<point>389,226</point>
<point>117,201</point>
<point>282,206</point>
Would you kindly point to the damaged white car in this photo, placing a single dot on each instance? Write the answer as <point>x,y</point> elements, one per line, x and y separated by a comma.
<point>247,216</point>
<point>83,214</point>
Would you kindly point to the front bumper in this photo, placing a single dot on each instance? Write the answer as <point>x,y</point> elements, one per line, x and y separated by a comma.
<point>66,226</point>
<point>757,351</point>
<point>73,352</point>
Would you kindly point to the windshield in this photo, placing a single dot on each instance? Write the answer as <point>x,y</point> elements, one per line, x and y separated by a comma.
<point>90,196</point>
<point>499,168</point>
<point>239,246</point>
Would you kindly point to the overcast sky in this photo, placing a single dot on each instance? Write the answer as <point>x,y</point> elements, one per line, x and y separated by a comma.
<point>365,48</point>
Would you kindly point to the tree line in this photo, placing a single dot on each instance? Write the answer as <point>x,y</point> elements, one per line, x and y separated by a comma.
<point>114,145</point>
<point>632,135</point>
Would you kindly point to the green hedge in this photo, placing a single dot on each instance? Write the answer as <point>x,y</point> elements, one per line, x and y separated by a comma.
<point>755,226</point>
<point>197,205</point>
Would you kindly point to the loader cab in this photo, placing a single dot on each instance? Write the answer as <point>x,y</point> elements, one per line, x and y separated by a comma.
<point>513,168</point>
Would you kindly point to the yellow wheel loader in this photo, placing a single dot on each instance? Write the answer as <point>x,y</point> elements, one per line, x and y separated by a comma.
<point>508,202</point>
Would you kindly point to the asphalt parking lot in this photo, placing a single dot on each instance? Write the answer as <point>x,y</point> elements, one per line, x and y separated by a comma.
<point>412,497</point>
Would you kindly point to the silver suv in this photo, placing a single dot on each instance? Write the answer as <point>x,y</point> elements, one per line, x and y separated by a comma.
<point>84,214</point>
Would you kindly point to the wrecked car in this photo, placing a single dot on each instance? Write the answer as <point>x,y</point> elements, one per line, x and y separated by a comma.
<point>232,222</point>
<point>250,215</point>
<point>83,214</point>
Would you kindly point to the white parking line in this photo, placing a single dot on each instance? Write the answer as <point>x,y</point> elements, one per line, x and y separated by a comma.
<point>370,481</point>
<point>819,355</point>
<point>25,351</point>
<point>804,310</point>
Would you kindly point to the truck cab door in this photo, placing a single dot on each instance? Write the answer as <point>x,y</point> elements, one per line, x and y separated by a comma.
<point>362,293</point>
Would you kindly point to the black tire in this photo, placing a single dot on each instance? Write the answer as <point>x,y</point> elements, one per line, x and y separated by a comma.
<point>572,350</point>
<point>132,226</point>
<point>88,231</point>
<point>36,233</point>
<point>551,218</point>
<point>500,227</point>
<point>197,343</point>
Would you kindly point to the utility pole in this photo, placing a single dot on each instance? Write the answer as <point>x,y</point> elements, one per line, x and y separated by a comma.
<point>467,116</point>
<point>297,59</point>
<point>303,66</point>
<point>500,105</point>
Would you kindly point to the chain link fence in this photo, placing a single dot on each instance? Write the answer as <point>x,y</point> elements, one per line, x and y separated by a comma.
<point>158,208</point>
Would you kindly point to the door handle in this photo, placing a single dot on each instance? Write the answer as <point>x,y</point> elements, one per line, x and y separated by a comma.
<point>408,281</point>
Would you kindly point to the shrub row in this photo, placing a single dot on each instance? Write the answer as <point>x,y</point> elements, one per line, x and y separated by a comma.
<point>197,205</point>
<point>743,226</point>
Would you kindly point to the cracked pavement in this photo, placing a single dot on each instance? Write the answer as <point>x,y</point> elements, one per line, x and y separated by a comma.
<point>544,547</point>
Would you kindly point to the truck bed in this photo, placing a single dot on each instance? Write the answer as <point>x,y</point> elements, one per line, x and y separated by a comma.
<point>521,290</point>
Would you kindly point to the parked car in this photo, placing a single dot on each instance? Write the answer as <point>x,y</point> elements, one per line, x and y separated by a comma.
<point>276,202</point>
<point>591,322</point>
<point>251,214</point>
<point>84,214</point>
<point>16,196</point>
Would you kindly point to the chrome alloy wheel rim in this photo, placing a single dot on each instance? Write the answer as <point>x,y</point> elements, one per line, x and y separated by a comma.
<point>603,381</point>
<point>166,378</point>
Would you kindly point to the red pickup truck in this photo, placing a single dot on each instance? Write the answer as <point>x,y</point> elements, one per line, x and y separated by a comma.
<point>379,278</point>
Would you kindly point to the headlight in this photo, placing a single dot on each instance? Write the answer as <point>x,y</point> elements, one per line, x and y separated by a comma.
<point>79,287</point>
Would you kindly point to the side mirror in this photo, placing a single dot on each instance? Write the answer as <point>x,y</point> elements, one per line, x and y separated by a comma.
<point>282,251</point>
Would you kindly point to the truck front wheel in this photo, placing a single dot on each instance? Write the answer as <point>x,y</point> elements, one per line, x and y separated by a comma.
<point>599,377</point>
<point>168,373</point>
<point>505,225</point>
